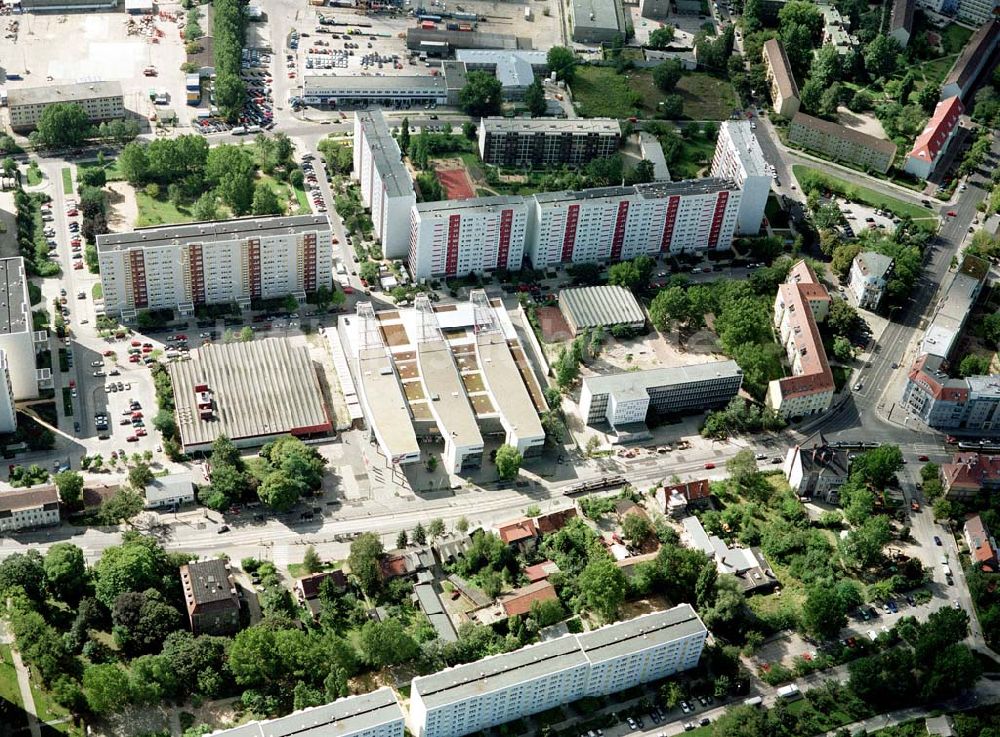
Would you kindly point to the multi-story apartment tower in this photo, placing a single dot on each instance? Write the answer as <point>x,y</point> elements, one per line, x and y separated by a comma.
<point>18,341</point>
<point>738,157</point>
<point>183,266</point>
<point>386,187</point>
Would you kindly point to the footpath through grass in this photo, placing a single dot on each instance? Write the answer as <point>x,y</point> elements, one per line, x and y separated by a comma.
<point>810,178</point>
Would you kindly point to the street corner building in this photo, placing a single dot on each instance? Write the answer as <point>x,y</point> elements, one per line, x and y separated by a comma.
<point>374,714</point>
<point>802,302</point>
<point>475,696</point>
<point>250,392</point>
<point>180,267</point>
<point>450,373</point>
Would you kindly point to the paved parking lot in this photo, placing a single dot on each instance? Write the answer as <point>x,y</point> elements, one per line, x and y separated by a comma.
<point>52,48</point>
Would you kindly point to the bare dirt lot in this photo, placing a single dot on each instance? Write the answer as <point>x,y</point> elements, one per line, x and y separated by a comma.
<point>90,46</point>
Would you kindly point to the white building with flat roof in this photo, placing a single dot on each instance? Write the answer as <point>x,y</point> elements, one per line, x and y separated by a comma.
<point>99,100</point>
<point>738,157</point>
<point>386,187</point>
<point>239,260</point>
<point>472,697</point>
<point>454,237</point>
<point>8,413</point>
<point>17,337</point>
<point>374,714</point>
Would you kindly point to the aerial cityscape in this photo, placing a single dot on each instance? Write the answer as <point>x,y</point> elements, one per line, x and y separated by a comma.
<point>584,368</point>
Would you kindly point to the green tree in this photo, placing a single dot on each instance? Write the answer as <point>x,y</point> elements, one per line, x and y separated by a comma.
<point>862,547</point>
<point>843,318</point>
<point>508,460</point>
<point>65,572</point>
<point>404,136</point>
<point>877,467</point>
<point>843,351</point>
<point>140,476</point>
<point>402,539</point>
<point>534,99</point>
<point>672,107</point>
<point>436,528</point>
<point>311,562</point>
<point>70,485</point>
<point>265,201</point>
<point>246,334</point>
<point>880,56</point>
<point>419,534</point>
<point>742,468</point>
<point>662,37</point>
<point>63,125</point>
<point>364,561</point>
<point>139,563</point>
<point>462,525</point>
<point>562,61</point>
<point>667,74</point>
<point>386,643</point>
<point>602,587</point>
<point>280,491</point>
<point>973,365</point>
<point>231,169</point>
<point>481,95</point>
<point>823,613</point>
<point>638,529</point>
<point>106,688</point>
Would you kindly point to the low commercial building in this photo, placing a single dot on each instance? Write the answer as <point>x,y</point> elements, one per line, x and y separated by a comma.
<point>547,141</point>
<point>447,374</point>
<point>429,600</point>
<point>423,40</point>
<point>626,398</point>
<point>953,310</point>
<point>841,143</point>
<point>745,564</point>
<point>801,303</point>
<point>982,546</point>
<point>18,341</point>
<point>816,469</point>
<point>386,187</point>
<point>25,509</point>
<point>870,272</point>
<point>600,307</point>
<point>597,21</point>
<point>930,145</point>
<point>173,490</point>
<point>516,70</point>
<point>619,223</point>
<point>651,150</point>
<point>475,696</point>
<point>452,238</point>
<point>969,474</point>
<point>99,100</point>
<point>976,57</point>
<point>976,12</point>
<point>374,714</point>
<point>250,392</point>
<point>738,157</point>
<point>784,92</point>
<point>211,598</point>
<point>901,21</point>
<point>385,92</point>
<point>240,260</point>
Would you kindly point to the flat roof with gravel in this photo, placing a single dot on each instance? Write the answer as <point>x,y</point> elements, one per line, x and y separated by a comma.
<point>14,296</point>
<point>258,389</point>
<point>339,718</point>
<point>607,305</point>
<point>447,393</point>
<point>212,231</point>
<point>54,93</point>
<point>634,381</point>
<point>506,385</point>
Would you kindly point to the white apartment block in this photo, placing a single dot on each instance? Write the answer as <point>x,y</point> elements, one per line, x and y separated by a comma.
<point>472,697</point>
<point>738,156</point>
<point>620,223</point>
<point>374,714</point>
<point>8,413</point>
<point>17,337</point>
<point>24,509</point>
<point>453,237</point>
<point>100,100</point>
<point>181,267</point>
<point>977,12</point>
<point>386,187</point>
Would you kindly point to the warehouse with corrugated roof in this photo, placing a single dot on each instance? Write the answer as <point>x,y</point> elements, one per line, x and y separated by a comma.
<point>604,307</point>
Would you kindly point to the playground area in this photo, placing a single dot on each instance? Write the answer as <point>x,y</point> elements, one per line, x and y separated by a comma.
<point>455,179</point>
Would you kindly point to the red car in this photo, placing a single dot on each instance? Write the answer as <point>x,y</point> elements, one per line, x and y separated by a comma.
<point>709,466</point>
<point>141,432</point>
<point>952,213</point>
<point>108,353</point>
<point>78,265</point>
<point>133,359</point>
<point>132,439</point>
<point>923,458</point>
<point>136,343</point>
<point>181,336</point>
<point>147,345</point>
<point>72,213</point>
<point>146,349</point>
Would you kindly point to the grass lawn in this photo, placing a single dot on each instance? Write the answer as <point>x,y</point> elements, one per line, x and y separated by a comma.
<point>600,93</point>
<point>934,71</point>
<point>34,176</point>
<point>303,199</point>
<point>9,690</point>
<point>67,401</point>
<point>810,178</point>
<point>706,97</point>
<point>98,291</point>
<point>47,708</point>
<point>841,375</point>
<point>693,156</point>
<point>159,211</point>
<point>954,37</point>
<point>67,177</point>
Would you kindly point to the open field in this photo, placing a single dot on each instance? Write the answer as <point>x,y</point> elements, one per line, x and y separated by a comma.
<point>706,97</point>
<point>809,178</point>
<point>159,211</point>
<point>601,93</point>
<point>954,37</point>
